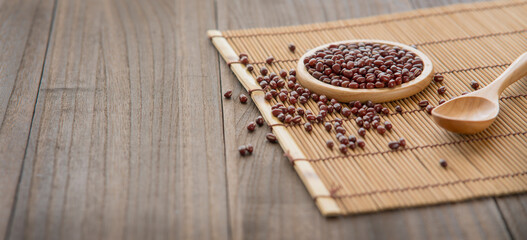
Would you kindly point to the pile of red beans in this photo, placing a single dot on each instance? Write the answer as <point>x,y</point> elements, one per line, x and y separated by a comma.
<point>364,65</point>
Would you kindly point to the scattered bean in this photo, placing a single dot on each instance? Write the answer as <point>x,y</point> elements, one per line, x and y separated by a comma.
<point>423,103</point>
<point>438,78</point>
<point>441,90</point>
<point>271,137</point>
<point>264,71</point>
<point>259,120</point>
<point>388,125</point>
<point>328,126</point>
<point>361,143</point>
<point>474,84</point>
<point>443,163</point>
<point>250,67</point>
<point>381,129</point>
<point>361,132</point>
<point>243,150</point>
<point>269,60</point>
<point>291,47</point>
<point>402,142</point>
<point>393,144</point>
<point>228,94</point>
<point>251,126</point>
<point>250,148</point>
<point>330,144</point>
<point>429,109</point>
<point>244,60</point>
<point>343,148</point>
<point>243,98</point>
<point>308,127</point>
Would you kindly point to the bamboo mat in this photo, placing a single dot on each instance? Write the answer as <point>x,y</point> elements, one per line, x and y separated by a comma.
<point>464,42</point>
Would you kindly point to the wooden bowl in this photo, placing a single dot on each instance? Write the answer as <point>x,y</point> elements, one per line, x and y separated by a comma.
<point>342,94</point>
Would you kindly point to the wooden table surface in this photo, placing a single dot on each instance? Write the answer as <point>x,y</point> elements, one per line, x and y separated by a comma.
<point>113,126</point>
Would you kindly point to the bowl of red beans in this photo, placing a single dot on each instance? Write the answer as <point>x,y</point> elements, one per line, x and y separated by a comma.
<point>361,70</point>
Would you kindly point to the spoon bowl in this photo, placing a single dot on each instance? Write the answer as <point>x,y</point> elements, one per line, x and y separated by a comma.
<point>466,114</point>
<point>476,111</point>
<point>343,94</point>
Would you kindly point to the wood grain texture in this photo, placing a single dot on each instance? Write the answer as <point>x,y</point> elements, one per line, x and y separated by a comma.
<point>24,31</point>
<point>265,201</point>
<point>514,212</point>
<point>126,142</point>
<point>131,138</point>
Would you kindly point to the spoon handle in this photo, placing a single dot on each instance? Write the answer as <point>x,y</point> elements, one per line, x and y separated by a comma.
<point>514,72</point>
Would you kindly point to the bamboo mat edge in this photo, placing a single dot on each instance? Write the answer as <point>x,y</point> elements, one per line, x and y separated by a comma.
<point>313,183</point>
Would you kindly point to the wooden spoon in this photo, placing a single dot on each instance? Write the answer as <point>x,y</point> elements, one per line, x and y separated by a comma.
<point>474,112</point>
<point>342,94</point>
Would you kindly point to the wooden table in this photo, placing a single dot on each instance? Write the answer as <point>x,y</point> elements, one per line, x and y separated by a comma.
<point>113,126</point>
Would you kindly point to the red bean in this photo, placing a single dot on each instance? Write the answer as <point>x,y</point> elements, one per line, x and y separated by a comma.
<point>228,94</point>
<point>438,78</point>
<point>269,60</point>
<point>328,126</point>
<point>443,163</point>
<point>264,71</point>
<point>388,125</point>
<point>361,143</point>
<point>268,96</point>
<point>366,125</point>
<point>402,142</point>
<point>243,150</point>
<point>343,148</point>
<point>361,132</point>
<point>346,112</point>
<point>308,127</point>
<point>281,117</point>
<point>300,111</point>
<point>259,120</point>
<point>393,144</point>
<point>340,130</point>
<point>474,84</point>
<point>291,47</point>
<point>381,129</point>
<point>243,98</point>
<point>250,67</point>
<point>251,126</point>
<point>249,148</point>
<point>330,144</point>
<point>398,109</point>
<point>276,112</point>
<point>423,103</point>
<point>271,137</point>
<point>297,119</point>
<point>343,139</point>
<point>441,90</point>
<point>429,109</point>
<point>244,60</point>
